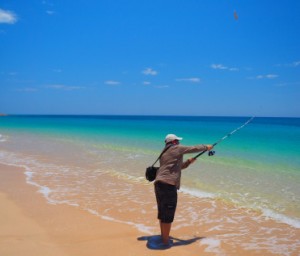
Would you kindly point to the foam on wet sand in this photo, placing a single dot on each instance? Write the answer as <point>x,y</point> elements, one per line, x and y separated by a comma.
<point>33,223</point>
<point>31,226</point>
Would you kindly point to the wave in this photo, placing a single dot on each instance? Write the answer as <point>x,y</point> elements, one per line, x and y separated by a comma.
<point>13,159</point>
<point>2,138</point>
<point>266,213</point>
<point>141,227</point>
<point>197,193</point>
<point>294,222</point>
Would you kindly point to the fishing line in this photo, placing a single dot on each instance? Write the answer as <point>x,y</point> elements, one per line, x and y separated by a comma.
<point>211,153</point>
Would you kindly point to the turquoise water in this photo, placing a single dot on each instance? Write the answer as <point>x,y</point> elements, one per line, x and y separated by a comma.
<point>266,141</point>
<point>258,167</point>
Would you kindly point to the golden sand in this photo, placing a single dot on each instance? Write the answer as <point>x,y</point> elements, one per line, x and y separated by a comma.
<point>29,225</point>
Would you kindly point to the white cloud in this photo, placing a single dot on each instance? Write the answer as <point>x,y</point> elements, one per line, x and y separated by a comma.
<point>112,82</point>
<point>64,87</point>
<point>146,83</point>
<point>218,66</point>
<point>192,80</point>
<point>291,64</point>
<point>149,71</point>
<point>222,67</point>
<point>50,12</point>
<point>7,17</point>
<point>260,77</point>
<point>269,76</point>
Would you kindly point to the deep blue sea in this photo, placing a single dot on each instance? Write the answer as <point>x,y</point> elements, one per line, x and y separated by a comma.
<point>102,157</point>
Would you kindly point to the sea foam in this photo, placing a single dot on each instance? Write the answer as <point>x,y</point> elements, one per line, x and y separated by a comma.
<point>213,246</point>
<point>294,222</point>
<point>197,193</point>
<point>2,138</point>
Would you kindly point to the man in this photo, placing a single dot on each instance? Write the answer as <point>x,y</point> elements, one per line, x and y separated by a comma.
<point>167,180</point>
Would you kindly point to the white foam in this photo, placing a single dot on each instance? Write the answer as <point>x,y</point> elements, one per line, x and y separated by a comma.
<point>144,229</point>
<point>213,246</point>
<point>2,138</point>
<point>294,222</point>
<point>93,212</point>
<point>281,218</point>
<point>107,218</point>
<point>197,193</point>
<point>24,162</point>
<point>45,191</point>
<point>13,160</point>
<point>133,156</point>
<point>140,227</point>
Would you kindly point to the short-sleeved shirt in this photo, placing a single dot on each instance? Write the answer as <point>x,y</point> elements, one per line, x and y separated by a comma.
<point>171,163</point>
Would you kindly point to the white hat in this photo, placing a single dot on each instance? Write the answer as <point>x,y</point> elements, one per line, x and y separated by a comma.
<point>171,137</point>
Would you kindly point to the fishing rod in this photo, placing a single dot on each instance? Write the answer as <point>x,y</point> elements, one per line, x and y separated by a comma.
<point>211,153</point>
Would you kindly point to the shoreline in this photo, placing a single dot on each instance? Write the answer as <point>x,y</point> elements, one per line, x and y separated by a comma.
<point>36,226</point>
<point>46,229</point>
<point>81,183</point>
<point>31,226</point>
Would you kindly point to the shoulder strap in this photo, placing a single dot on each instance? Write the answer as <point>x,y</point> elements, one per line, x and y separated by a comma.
<point>165,149</point>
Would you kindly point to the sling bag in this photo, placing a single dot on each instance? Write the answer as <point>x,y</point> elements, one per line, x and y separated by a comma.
<point>152,170</point>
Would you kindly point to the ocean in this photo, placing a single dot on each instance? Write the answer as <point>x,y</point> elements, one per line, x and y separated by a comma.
<point>98,163</point>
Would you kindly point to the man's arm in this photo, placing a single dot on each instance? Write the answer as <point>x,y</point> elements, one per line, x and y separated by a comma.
<point>187,163</point>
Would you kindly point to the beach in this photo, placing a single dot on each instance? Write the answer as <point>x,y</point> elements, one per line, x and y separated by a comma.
<point>90,91</point>
<point>76,186</point>
<point>30,226</point>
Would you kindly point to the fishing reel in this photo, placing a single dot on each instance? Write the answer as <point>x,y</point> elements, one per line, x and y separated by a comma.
<point>211,153</point>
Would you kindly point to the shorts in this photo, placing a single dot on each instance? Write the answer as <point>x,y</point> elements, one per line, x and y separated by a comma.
<point>166,198</point>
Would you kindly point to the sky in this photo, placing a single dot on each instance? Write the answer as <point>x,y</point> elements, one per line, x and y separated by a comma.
<point>159,57</point>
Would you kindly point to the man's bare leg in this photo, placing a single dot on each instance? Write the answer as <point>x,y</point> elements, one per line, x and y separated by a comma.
<point>165,229</point>
<point>160,227</point>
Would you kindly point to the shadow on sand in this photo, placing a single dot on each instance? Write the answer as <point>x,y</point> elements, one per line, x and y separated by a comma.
<point>155,242</point>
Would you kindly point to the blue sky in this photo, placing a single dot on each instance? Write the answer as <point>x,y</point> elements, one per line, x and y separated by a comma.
<point>159,57</point>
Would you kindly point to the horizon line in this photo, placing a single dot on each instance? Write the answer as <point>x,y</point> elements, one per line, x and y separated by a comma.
<point>148,115</point>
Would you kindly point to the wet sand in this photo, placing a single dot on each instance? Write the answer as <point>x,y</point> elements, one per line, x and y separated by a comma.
<point>32,226</point>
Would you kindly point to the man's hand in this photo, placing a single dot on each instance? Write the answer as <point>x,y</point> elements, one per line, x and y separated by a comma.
<point>209,147</point>
<point>192,160</point>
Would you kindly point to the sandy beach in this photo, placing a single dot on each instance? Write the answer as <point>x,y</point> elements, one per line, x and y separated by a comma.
<point>31,226</point>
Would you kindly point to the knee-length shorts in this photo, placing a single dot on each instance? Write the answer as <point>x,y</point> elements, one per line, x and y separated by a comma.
<point>166,198</point>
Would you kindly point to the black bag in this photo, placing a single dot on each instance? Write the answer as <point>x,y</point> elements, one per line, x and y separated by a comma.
<point>152,170</point>
<point>151,173</point>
